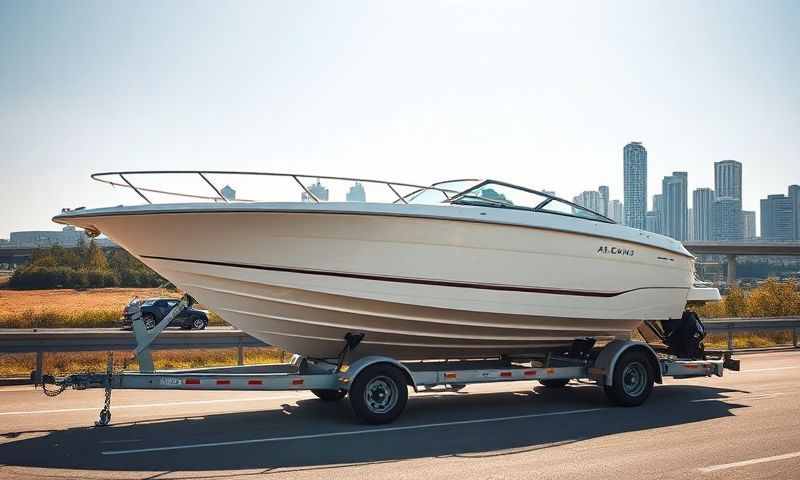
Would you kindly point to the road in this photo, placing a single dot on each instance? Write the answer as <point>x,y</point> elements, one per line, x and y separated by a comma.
<point>745,425</point>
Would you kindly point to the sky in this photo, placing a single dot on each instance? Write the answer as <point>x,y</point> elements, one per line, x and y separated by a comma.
<point>543,94</point>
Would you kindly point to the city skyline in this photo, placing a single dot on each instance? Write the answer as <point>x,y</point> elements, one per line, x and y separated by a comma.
<point>343,90</point>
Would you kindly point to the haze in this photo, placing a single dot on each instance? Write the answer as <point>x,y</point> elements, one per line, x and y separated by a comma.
<point>541,94</point>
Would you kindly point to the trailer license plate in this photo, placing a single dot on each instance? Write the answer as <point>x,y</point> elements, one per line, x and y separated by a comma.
<point>168,381</point>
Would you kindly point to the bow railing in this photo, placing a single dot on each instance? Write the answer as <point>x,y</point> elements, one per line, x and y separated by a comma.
<point>126,179</point>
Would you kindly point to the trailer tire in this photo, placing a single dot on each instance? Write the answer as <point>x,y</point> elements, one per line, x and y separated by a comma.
<point>633,379</point>
<point>554,382</point>
<point>329,395</point>
<point>379,394</point>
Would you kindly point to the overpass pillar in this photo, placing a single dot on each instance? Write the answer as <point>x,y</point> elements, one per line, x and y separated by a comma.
<point>731,271</point>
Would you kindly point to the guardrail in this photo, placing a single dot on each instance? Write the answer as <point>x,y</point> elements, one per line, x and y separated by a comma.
<point>731,325</point>
<point>42,341</point>
<point>49,340</point>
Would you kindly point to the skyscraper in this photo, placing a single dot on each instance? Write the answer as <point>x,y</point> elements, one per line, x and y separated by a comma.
<point>635,184</point>
<point>726,216</point>
<point>728,179</point>
<point>702,203</point>
<point>728,186</point>
<point>690,225</point>
<point>357,193</point>
<point>650,222</point>
<point>228,192</point>
<point>749,224</point>
<point>658,210</point>
<point>675,191</point>
<point>603,200</point>
<point>589,199</point>
<point>616,211</point>
<point>794,194</point>
<point>318,190</point>
<point>777,218</point>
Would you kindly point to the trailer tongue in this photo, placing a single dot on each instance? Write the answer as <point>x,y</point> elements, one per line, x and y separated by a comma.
<point>377,385</point>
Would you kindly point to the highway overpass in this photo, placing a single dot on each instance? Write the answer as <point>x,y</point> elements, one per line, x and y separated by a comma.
<point>733,249</point>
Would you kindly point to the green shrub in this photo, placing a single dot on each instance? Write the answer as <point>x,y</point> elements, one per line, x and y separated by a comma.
<point>83,267</point>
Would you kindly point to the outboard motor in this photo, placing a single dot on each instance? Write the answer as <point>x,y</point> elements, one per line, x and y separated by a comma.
<point>684,337</point>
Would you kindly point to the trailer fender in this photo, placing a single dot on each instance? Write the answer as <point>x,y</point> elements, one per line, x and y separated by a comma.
<point>346,378</point>
<point>602,369</point>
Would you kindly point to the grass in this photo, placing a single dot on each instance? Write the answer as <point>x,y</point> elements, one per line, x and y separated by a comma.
<point>21,365</point>
<point>755,339</point>
<point>91,308</point>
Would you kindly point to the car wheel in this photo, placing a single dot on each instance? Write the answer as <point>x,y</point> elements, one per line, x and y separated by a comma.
<point>198,323</point>
<point>149,321</point>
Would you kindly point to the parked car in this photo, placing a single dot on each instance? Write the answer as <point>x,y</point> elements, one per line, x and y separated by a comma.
<point>155,309</point>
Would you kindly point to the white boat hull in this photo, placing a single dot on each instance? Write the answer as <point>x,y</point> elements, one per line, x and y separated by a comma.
<point>417,287</point>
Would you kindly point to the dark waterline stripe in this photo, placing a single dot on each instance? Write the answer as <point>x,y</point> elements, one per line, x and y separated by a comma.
<point>417,281</point>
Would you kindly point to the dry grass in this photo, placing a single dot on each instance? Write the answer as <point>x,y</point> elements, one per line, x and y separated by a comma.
<point>755,339</point>
<point>73,301</point>
<point>91,308</point>
<point>20,365</point>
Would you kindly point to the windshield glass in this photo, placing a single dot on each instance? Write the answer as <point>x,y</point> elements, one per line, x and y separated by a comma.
<point>493,194</point>
<point>503,195</point>
<point>429,197</point>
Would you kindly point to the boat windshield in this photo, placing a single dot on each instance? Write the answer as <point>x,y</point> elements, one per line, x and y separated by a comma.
<point>445,191</point>
<point>491,193</point>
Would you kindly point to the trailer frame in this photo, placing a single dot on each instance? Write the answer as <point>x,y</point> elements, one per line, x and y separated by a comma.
<point>377,385</point>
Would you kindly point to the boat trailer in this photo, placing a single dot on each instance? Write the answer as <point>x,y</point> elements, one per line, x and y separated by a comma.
<point>377,385</point>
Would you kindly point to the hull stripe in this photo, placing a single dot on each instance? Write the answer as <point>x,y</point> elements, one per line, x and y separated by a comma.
<point>417,281</point>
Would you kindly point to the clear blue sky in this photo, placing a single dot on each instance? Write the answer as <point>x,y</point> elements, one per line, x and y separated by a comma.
<point>544,94</point>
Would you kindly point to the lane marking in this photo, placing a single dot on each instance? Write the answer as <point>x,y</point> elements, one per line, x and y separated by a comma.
<point>769,369</point>
<point>162,404</point>
<point>754,461</point>
<point>352,432</point>
<point>28,388</point>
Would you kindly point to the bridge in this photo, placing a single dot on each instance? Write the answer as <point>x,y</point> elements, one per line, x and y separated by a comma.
<point>733,249</point>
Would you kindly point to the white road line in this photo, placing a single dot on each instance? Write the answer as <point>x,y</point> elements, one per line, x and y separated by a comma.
<point>352,432</point>
<point>27,388</point>
<point>754,461</point>
<point>769,369</point>
<point>163,404</point>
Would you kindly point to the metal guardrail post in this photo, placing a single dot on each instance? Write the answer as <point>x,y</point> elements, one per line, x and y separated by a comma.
<point>240,352</point>
<point>730,338</point>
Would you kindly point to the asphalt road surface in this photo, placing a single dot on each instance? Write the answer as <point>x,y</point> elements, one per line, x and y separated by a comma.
<point>745,425</point>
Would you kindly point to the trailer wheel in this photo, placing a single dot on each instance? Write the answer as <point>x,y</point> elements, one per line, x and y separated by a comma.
<point>329,395</point>
<point>379,394</point>
<point>633,380</point>
<point>554,382</point>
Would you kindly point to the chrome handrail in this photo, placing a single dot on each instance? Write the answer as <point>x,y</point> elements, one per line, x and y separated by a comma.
<point>124,176</point>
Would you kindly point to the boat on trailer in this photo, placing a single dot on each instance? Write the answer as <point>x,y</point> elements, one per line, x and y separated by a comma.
<point>458,269</point>
<point>459,282</point>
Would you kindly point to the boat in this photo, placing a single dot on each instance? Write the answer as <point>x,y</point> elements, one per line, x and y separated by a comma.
<point>455,270</point>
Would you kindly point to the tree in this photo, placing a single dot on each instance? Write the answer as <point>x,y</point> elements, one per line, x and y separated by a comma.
<point>95,259</point>
<point>735,303</point>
